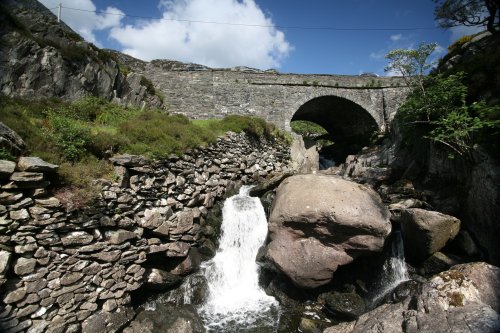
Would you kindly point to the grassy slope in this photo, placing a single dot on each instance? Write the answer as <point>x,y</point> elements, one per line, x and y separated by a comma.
<point>80,135</point>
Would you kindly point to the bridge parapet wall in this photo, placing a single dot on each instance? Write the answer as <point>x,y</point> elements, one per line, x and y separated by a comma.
<point>273,96</point>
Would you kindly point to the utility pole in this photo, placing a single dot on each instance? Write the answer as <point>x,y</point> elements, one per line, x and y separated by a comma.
<point>59,13</point>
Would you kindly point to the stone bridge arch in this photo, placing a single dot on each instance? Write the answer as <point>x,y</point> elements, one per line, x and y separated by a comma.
<point>371,100</point>
<point>349,124</point>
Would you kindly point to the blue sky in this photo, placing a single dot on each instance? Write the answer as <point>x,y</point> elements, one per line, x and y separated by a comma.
<point>267,38</point>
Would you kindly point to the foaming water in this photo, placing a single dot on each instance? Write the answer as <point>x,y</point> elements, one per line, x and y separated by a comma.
<point>236,302</point>
<point>394,270</point>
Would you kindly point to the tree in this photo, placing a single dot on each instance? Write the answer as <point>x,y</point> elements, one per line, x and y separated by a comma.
<point>412,64</point>
<point>451,13</point>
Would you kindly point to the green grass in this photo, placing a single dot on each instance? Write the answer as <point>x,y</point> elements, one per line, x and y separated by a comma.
<point>80,135</point>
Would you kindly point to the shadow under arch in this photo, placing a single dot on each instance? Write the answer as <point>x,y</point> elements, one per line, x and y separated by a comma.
<point>349,125</point>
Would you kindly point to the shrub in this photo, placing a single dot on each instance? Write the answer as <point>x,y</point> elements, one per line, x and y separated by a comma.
<point>459,42</point>
<point>71,136</point>
<point>441,114</point>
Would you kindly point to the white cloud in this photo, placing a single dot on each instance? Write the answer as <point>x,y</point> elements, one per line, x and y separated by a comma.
<point>397,37</point>
<point>215,45</point>
<point>84,20</point>
<point>377,55</point>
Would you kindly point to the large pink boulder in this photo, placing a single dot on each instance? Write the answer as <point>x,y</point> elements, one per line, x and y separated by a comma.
<point>321,222</point>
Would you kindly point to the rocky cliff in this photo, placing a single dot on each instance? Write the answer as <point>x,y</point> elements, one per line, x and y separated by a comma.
<point>43,58</point>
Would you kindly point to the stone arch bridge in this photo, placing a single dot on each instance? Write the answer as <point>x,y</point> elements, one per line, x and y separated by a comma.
<point>347,106</point>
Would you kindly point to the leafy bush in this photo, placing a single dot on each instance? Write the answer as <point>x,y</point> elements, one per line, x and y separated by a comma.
<point>441,114</point>
<point>71,136</point>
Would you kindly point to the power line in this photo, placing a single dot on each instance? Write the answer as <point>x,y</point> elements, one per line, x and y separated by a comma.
<point>253,25</point>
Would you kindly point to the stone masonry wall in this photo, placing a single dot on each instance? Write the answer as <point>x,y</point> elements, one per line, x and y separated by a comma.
<point>214,93</point>
<point>68,270</point>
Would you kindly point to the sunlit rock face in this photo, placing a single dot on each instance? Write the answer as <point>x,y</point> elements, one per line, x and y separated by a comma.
<point>319,223</point>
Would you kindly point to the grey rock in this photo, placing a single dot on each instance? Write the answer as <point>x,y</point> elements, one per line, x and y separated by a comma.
<point>76,238</point>
<point>449,302</point>
<point>178,249</point>
<point>486,278</point>
<point>189,265</point>
<point>119,236</point>
<point>108,256</point>
<point>109,322</point>
<point>24,266</point>
<point>184,222</point>
<point>14,296</point>
<point>128,160</point>
<point>35,164</point>
<point>5,258</point>
<point>6,168</point>
<point>347,305</point>
<point>157,279</point>
<point>152,219</point>
<point>11,141</point>
<point>70,278</point>
<point>19,215</point>
<point>26,177</point>
<point>8,198</point>
<point>426,232</point>
<point>51,202</point>
<point>173,319</point>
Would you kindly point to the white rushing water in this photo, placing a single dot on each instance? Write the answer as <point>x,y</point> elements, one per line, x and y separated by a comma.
<point>394,270</point>
<point>236,302</point>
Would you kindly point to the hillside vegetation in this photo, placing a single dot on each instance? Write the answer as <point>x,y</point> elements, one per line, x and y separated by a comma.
<point>79,136</point>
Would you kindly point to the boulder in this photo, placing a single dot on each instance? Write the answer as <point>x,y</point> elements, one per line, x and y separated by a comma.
<point>426,232</point>
<point>35,164</point>
<point>166,318</point>
<point>11,141</point>
<point>108,321</point>
<point>486,278</point>
<point>347,305</point>
<point>320,222</point>
<point>268,184</point>
<point>461,299</point>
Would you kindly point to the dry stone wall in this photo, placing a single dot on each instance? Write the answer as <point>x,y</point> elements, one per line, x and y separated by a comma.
<point>71,270</point>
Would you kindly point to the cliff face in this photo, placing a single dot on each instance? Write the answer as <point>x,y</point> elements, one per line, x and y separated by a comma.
<point>40,57</point>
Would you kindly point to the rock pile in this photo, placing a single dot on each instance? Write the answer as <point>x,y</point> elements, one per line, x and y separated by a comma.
<point>65,269</point>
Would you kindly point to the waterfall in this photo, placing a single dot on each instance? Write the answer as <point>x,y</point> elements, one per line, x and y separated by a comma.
<point>394,270</point>
<point>236,302</point>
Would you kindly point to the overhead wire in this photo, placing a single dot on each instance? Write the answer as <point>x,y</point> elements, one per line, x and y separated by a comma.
<point>252,25</point>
